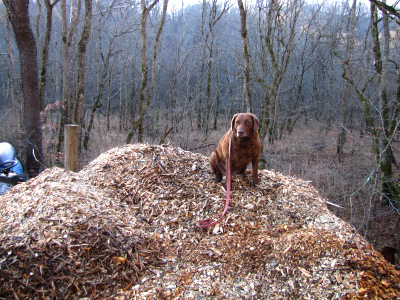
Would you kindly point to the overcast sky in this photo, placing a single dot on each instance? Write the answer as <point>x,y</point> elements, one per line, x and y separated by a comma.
<point>172,4</point>
<point>178,3</point>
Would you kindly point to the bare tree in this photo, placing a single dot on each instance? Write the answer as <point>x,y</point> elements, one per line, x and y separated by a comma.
<point>213,18</point>
<point>277,24</point>
<point>381,55</point>
<point>382,116</point>
<point>82,45</point>
<point>45,50</point>
<point>349,42</point>
<point>388,10</point>
<point>304,59</point>
<point>68,39</point>
<point>211,15</point>
<point>246,59</point>
<point>146,94</point>
<point>26,42</point>
<point>107,58</point>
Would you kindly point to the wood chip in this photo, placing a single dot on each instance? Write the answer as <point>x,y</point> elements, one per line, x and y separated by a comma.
<point>126,227</point>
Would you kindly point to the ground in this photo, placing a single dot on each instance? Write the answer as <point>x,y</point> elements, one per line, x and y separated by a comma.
<point>126,226</point>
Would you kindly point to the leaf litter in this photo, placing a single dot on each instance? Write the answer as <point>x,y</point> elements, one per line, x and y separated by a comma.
<point>126,227</point>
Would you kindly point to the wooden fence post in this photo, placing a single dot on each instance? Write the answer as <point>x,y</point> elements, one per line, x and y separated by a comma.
<point>71,147</point>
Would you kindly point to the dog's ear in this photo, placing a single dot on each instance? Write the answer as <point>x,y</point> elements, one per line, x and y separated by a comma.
<point>256,123</point>
<point>233,122</point>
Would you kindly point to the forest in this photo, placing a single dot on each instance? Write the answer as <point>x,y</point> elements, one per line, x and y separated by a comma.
<point>322,77</point>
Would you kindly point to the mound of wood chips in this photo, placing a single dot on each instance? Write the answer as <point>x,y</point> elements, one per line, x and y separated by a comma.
<point>126,227</point>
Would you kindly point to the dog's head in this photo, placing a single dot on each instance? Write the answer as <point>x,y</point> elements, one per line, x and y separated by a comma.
<point>245,125</point>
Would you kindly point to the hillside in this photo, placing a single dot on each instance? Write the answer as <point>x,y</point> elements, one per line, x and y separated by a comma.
<point>126,227</point>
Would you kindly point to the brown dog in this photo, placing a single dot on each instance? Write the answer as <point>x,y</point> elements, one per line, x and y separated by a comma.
<point>245,148</point>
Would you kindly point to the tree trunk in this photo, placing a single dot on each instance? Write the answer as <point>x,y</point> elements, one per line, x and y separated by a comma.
<point>11,54</point>
<point>346,93</point>
<point>271,33</point>
<point>246,59</point>
<point>381,55</point>
<point>45,51</point>
<point>217,105</point>
<point>144,96</point>
<point>208,86</point>
<point>68,43</point>
<point>19,18</point>
<point>79,96</point>
<point>98,103</point>
<point>108,108</point>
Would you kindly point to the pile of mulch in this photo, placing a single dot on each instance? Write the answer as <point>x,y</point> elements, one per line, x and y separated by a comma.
<point>126,226</point>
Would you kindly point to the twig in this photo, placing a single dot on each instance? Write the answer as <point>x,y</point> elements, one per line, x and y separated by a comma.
<point>333,204</point>
<point>125,238</point>
<point>156,159</point>
<point>34,156</point>
<point>334,269</point>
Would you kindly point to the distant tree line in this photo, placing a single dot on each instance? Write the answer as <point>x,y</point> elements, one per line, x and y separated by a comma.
<point>162,70</point>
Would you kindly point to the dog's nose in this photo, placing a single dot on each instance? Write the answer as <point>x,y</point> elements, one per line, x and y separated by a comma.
<point>240,132</point>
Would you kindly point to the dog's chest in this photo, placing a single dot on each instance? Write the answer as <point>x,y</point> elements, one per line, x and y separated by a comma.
<point>242,153</point>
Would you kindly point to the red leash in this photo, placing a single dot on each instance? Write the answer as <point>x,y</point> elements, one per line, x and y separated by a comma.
<point>207,222</point>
